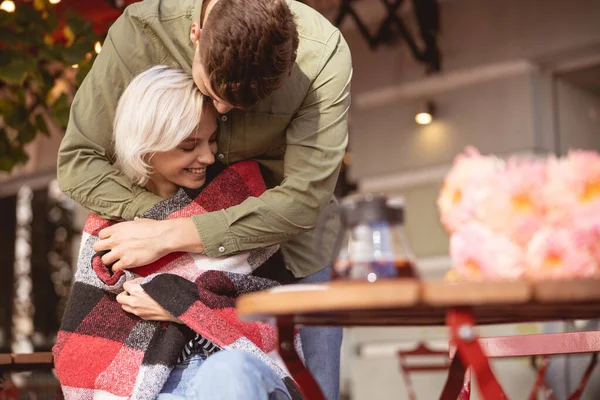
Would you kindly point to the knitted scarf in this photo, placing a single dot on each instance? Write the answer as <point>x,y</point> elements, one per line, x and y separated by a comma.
<point>105,352</point>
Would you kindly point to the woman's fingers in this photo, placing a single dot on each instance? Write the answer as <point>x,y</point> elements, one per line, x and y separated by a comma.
<point>130,310</point>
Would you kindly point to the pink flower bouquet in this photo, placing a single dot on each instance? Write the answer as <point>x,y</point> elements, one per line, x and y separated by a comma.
<point>518,218</point>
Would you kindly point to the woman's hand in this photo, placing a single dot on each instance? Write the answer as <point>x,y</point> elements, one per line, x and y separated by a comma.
<point>135,301</point>
<point>135,243</point>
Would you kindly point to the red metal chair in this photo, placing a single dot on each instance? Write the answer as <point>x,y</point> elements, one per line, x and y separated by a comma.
<point>543,345</point>
<point>407,368</point>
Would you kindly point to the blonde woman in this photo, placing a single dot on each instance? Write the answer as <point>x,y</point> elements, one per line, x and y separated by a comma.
<point>164,138</point>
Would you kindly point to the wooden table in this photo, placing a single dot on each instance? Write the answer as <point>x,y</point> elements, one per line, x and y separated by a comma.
<point>460,306</point>
<point>11,362</point>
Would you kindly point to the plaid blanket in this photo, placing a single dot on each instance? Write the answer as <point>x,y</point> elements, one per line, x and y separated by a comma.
<point>104,352</point>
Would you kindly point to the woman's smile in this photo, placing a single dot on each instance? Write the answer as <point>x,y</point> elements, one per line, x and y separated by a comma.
<point>199,172</point>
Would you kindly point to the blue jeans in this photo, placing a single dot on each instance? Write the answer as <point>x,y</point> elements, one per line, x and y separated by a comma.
<point>225,375</point>
<point>321,346</point>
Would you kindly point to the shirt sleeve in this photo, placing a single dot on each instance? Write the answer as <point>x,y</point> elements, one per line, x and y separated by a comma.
<point>316,142</point>
<point>85,171</point>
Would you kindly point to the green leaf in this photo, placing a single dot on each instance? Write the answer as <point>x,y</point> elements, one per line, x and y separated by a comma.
<point>78,25</point>
<point>18,117</point>
<point>13,73</point>
<point>16,70</point>
<point>60,110</point>
<point>7,109</point>
<point>9,37</point>
<point>6,18</point>
<point>20,155</point>
<point>52,21</point>
<point>27,133</point>
<point>28,16</point>
<point>49,53</point>
<point>41,126</point>
<point>6,163</point>
<point>76,53</point>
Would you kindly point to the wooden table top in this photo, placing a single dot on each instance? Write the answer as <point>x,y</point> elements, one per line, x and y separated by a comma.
<point>401,302</point>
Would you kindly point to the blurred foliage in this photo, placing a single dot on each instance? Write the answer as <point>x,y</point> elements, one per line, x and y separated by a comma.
<point>42,62</point>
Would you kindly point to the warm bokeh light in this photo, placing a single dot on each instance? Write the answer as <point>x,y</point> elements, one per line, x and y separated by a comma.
<point>98,47</point>
<point>75,66</point>
<point>423,118</point>
<point>54,1</point>
<point>8,6</point>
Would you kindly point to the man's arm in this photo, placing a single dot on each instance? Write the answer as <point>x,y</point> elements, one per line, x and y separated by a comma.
<point>85,156</point>
<point>316,143</point>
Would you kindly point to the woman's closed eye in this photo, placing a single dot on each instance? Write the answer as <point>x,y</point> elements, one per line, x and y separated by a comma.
<point>188,149</point>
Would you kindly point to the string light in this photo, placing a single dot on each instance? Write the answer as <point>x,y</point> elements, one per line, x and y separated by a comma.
<point>75,66</point>
<point>98,47</point>
<point>54,1</point>
<point>8,6</point>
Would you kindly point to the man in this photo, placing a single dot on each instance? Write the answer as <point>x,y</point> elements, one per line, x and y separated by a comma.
<point>279,75</point>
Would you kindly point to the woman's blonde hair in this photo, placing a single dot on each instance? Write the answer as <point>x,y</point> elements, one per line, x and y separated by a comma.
<point>159,109</point>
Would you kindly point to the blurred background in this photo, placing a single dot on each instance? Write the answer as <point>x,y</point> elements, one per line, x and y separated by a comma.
<point>430,77</point>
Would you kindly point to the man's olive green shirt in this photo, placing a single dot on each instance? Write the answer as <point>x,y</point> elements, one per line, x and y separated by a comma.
<point>298,134</point>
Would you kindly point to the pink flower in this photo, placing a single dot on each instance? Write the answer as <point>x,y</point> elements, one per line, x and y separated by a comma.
<point>463,186</point>
<point>513,203</point>
<point>572,191</point>
<point>562,253</point>
<point>479,253</point>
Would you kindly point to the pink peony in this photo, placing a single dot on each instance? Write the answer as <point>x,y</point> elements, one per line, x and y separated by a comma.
<point>479,253</point>
<point>463,186</point>
<point>562,253</point>
<point>572,191</point>
<point>513,203</point>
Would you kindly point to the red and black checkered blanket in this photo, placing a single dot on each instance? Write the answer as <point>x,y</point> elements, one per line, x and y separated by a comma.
<point>104,352</point>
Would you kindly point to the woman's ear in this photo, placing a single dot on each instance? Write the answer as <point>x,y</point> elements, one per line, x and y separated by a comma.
<point>195,32</point>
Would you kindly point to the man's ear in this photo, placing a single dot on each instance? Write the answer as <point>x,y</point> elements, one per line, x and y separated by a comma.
<point>195,32</point>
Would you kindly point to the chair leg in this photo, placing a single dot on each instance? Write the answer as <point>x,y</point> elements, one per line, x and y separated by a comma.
<point>461,325</point>
<point>585,378</point>
<point>406,377</point>
<point>308,385</point>
<point>465,392</point>
<point>455,383</point>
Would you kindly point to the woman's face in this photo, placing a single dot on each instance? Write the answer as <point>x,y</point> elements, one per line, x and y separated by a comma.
<point>186,164</point>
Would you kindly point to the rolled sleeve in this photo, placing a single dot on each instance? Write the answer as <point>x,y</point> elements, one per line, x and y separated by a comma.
<point>84,170</point>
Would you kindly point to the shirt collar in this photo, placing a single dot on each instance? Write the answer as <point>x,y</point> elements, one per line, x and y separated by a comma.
<point>197,11</point>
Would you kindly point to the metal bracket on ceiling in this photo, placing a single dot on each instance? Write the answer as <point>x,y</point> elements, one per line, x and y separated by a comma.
<point>393,28</point>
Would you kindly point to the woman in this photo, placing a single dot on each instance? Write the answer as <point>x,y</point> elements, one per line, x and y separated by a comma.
<point>165,140</point>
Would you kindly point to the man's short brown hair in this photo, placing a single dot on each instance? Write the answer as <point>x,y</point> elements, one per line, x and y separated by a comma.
<point>247,49</point>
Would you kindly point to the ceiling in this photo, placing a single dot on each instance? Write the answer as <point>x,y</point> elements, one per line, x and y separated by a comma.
<point>588,78</point>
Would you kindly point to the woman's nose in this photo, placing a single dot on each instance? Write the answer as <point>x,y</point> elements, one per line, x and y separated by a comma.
<point>206,156</point>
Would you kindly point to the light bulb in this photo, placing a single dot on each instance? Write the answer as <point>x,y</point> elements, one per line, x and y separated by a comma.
<point>75,66</point>
<point>8,6</point>
<point>423,118</point>
<point>54,1</point>
<point>98,47</point>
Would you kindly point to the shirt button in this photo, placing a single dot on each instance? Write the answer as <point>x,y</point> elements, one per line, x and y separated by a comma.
<point>224,118</point>
<point>221,156</point>
<point>221,249</point>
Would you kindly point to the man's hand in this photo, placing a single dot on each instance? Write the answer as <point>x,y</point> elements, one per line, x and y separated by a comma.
<point>135,301</point>
<point>132,244</point>
<point>135,243</point>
